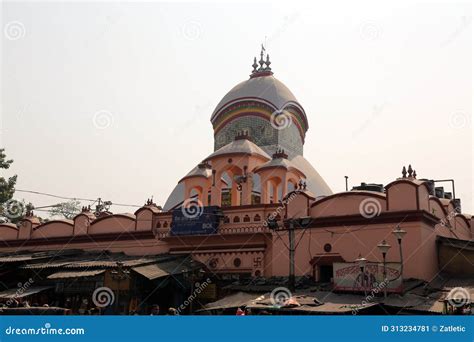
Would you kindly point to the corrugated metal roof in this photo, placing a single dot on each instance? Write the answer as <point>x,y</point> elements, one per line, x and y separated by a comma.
<point>20,293</point>
<point>155,271</point>
<point>111,262</point>
<point>44,265</point>
<point>75,274</point>
<point>87,261</point>
<point>234,300</point>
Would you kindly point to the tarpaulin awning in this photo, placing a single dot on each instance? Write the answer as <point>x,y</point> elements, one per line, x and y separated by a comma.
<point>235,300</point>
<point>75,274</point>
<point>163,269</point>
<point>155,271</point>
<point>20,293</point>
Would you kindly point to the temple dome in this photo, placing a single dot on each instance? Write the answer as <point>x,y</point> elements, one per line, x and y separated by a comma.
<point>262,88</point>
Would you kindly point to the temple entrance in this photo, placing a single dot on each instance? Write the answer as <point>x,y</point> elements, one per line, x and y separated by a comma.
<point>323,266</point>
<point>325,273</point>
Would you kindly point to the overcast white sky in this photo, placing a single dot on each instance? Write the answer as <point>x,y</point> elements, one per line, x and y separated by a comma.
<point>383,85</point>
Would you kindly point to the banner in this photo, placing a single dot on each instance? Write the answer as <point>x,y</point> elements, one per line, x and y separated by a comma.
<point>195,220</point>
<point>348,277</point>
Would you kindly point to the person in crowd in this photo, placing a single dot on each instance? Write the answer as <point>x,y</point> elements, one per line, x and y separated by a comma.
<point>172,312</point>
<point>155,310</point>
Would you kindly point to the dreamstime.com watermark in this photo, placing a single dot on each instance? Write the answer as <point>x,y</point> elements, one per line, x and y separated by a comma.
<point>281,207</point>
<point>444,222</point>
<point>46,330</point>
<point>199,287</point>
<point>21,289</point>
<point>370,297</point>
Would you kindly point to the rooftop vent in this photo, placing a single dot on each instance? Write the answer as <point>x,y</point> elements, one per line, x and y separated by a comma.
<point>431,185</point>
<point>457,205</point>
<point>369,187</point>
<point>439,192</point>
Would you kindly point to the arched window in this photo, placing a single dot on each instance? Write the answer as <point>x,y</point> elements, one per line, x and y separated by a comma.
<point>226,193</point>
<point>291,187</point>
<point>256,189</point>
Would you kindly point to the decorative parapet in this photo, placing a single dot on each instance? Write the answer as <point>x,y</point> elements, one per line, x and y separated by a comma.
<point>236,220</point>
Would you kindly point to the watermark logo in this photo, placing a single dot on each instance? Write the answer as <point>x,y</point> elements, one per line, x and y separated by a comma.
<point>458,120</point>
<point>192,30</point>
<point>13,209</point>
<point>198,288</point>
<point>22,287</point>
<point>459,296</point>
<point>14,30</point>
<point>371,296</point>
<point>280,119</point>
<point>103,296</point>
<point>370,30</point>
<point>192,208</point>
<point>280,296</point>
<point>370,208</point>
<point>103,119</point>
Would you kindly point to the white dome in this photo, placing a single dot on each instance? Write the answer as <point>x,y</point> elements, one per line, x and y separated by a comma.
<point>266,88</point>
<point>314,181</point>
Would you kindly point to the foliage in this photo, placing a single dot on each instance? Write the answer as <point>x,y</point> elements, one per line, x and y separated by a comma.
<point>66,209</point>
<point>7,186</point>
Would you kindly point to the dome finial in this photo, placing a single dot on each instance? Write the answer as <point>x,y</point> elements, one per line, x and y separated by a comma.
<point>254,65</point>
<point>261,62</point>
<point>264,69</point>
<point>267,63</point>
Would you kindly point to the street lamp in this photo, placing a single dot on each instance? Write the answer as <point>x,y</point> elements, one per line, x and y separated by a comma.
<point>362,262</point>
<point>399,234</point>
<point>384,247</point>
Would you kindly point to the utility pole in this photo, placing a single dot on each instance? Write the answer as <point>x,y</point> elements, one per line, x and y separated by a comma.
<point>290,228</point>
<point>291,237</point>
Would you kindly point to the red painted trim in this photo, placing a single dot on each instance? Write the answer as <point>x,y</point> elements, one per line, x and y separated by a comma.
<point>297,106</point>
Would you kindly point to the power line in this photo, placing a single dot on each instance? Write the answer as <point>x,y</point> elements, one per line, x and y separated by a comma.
<point>75,198</point>
<point>55,196</point>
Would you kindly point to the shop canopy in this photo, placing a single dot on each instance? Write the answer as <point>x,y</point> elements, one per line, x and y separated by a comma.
<point>75,274</point>
<point>20,293</point>
<point>164,269</point>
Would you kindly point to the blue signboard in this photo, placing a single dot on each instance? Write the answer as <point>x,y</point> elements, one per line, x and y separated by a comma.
<point>195,221</point>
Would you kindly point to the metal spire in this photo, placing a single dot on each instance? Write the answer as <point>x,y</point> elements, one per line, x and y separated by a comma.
<point>267,63</point>
<point>254,65</point>
<point>261,62</point>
